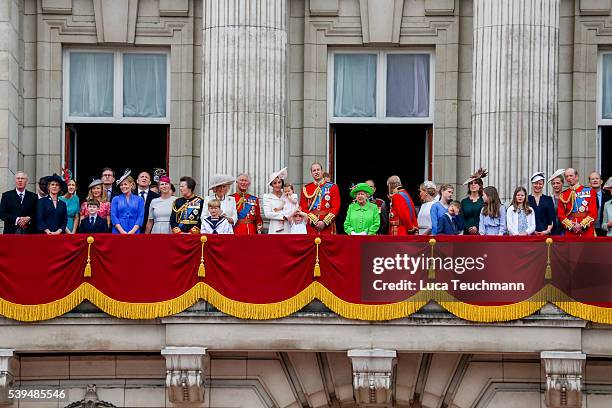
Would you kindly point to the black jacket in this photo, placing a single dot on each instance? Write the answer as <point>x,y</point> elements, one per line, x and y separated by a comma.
<point>98,227</point>
<point>11,208</point>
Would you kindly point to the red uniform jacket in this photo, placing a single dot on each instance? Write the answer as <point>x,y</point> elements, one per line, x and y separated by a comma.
<point>249,214</point>
<point>579,205</point>
<point>322,203</point>
<point>402,217</point>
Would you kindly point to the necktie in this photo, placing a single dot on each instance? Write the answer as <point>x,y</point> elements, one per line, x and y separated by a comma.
<point>142,194</point>
<point>21,198</point>
<point>91,220</point>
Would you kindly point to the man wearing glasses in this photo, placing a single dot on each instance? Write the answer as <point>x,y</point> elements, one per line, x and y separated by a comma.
<point>108,182</point>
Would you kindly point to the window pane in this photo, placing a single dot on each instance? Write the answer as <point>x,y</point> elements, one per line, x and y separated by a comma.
<point>606,75</point>
<point>91,84</point>
<point>407,85</point>
<point>144,85</point>
<point>355,85</point>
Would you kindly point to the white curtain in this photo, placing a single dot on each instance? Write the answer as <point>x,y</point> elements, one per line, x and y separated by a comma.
<point>144,85</point>
<point>355,85</point>
<point>91,84</point>
<point>606,75</point>
<point>407,85</point>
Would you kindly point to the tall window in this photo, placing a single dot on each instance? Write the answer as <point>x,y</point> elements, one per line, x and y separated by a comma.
<point>606,86</point>
<point>116,86</point>
<point>381,86</point>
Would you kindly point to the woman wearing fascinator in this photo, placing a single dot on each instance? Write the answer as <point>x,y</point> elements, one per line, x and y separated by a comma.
<point>72,202</point>
<point>127,209</point>
<point>160,210</point>
<point>471,206</point>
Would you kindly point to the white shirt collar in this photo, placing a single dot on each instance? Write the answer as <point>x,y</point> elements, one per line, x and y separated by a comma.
<point>145,191</point>
<point>20,192</point>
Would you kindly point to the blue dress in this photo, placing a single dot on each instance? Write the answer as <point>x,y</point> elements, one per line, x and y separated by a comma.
<point>51,217</point>
<point>545,213</point>
<point>127,213</point>
<point>72,206</point>
<point>436,212</point>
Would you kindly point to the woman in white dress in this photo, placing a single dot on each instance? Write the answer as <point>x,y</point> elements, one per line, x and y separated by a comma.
<point>160,209</point>
<point>273,204</point>
<point>219,184</point>
<point>427,194</point>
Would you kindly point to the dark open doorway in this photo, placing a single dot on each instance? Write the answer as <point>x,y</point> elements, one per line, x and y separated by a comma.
<point>376,151</point>
<point>91,147</point>
<point>606,152</point>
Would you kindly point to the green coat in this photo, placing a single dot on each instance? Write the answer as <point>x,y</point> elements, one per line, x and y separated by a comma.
<point>360,219</point>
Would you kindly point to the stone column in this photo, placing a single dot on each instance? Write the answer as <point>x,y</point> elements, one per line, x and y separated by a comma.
<point>515,81</point>
<point>8,370</point>
<point>564,372</point>
<point>244,94</point>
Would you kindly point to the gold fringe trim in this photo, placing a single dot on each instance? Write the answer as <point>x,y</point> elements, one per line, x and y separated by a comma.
<point>242,310</point>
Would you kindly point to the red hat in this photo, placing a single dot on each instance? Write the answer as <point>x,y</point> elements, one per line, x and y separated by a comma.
<point>164,179</point>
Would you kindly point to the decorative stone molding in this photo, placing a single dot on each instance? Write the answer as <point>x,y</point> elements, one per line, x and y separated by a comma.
<point>173,8</point>
<point>116,21</point>
<point>7,370</point>
<point>185,367</point>
<point>372,375</point>
<point>564,372</point>
<point>595,7</point>
<point>56,6</point>
<point>439,7</point>
<point>324,7</point>
<point>381,21</point>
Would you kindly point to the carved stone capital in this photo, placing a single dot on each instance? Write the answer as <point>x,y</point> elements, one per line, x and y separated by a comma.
<point>564,371</point>
<point>372,375</point>
<point>8,364</point>
<point>185,368</point>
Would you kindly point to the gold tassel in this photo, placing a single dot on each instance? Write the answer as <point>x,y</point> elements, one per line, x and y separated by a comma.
<point>201,269</point>
<point>431,275</point>
<point>87,272</point>
<point>317,268</point>
<point>548,273</point>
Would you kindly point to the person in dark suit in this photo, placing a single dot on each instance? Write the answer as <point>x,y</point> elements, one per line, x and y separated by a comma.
<point>451,223</point>
<point>144,191</point>
<point>18,208</point>
<point>108,183</point>
<point>92,223</point>
<point>51,212</point>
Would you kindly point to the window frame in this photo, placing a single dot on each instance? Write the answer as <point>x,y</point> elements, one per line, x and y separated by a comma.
<point>381,86</point>
<point>117,86</point>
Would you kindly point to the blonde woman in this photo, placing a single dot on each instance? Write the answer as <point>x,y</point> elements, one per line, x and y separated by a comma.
<point>127,209</point>
<point>97,192</point>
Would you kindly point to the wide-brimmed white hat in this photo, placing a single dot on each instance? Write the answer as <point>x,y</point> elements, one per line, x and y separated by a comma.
<point>537,176</point>
<point>282,174</point>
<point>556,174</point>
<point>220,180</point>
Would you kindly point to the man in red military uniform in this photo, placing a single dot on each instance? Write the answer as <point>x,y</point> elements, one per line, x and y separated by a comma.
<point>577,208</point>
<point>247,206</point>
<point>321,201</point>
<point>402,217</point>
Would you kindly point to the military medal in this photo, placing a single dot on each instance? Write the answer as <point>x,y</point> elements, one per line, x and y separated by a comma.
<point>327,197</point>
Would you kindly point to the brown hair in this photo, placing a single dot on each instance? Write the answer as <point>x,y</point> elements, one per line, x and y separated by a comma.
<point>455,203</point>
<point>93,201</point>
<point>289,185</point>
<point>515,204</point>
<point>477,181</point>
<point>491,208</point>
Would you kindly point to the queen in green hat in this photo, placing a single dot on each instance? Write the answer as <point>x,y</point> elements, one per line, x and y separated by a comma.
<point>362,217</point>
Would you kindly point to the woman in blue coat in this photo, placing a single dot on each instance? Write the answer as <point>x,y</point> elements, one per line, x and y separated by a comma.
<point>51,214</point>
<point>127,209</point>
